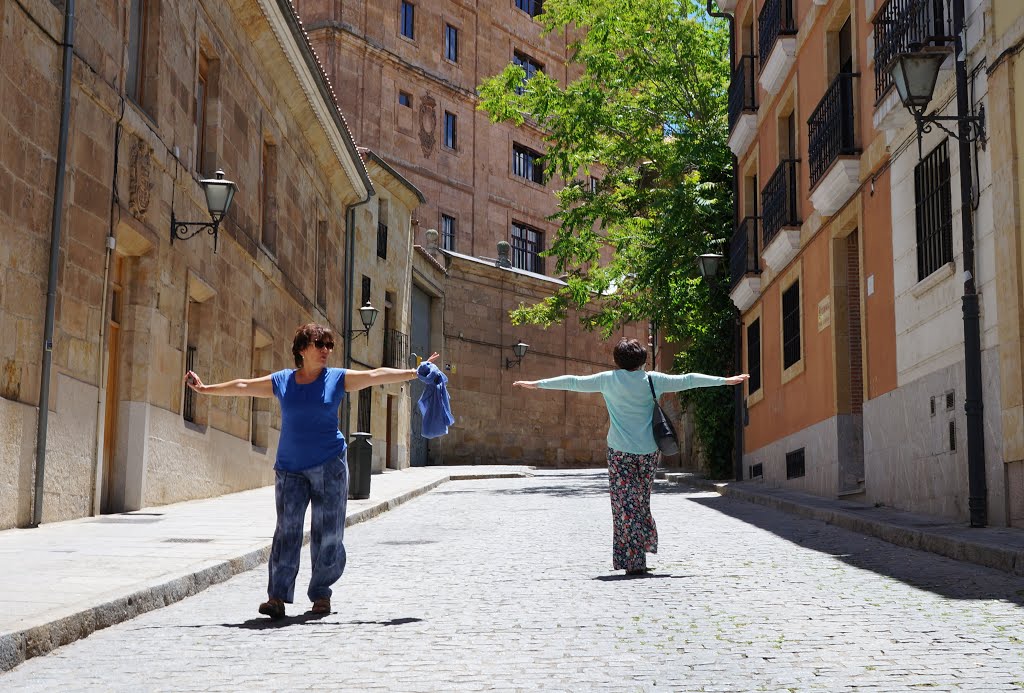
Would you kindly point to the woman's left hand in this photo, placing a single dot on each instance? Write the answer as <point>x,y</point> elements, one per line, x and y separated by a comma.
<point>434,357</point>
<point>737,379</point>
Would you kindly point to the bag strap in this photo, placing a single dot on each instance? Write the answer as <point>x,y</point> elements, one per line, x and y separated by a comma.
<point>651,383</point>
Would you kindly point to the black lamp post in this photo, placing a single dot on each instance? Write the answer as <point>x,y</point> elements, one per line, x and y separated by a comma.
<point>219,194</point>
<point>519,349</point>
<point>915,74</point>
<point>708,264</point>
<point>368,316</point>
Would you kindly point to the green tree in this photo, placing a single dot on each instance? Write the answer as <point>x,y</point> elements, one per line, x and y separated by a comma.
<point>647,117</point>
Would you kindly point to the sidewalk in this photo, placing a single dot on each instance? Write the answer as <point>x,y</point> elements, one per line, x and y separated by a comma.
<point>62,581</point>
<point>1001,548</point>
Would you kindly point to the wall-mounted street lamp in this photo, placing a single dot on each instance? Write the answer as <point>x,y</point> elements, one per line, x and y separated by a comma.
<point>519,349</point>
<point>915,74</point>
<point>219,194</point>
<point>708,265</point>
<point>368,316</point>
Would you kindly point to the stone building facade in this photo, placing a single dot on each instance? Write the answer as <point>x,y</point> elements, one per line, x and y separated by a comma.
<point>162,94</point>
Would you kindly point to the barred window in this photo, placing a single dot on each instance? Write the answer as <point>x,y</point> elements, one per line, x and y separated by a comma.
<point>527,244</point>
<point>934,211</point>
<point>448,232</point>
<point>754,355</point>
<point>365,404</point>
<point>527,164</point>
<point>791,325</point>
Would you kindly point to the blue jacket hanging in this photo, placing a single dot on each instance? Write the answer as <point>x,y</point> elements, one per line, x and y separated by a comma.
<point>434,405</point>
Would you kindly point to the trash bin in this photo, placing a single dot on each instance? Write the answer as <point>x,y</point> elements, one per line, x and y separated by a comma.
<point>360,464</point>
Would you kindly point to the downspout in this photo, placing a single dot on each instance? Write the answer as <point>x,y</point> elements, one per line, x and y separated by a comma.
<point>350,268</point>
<point>51,286</point>
<point>737,442</point>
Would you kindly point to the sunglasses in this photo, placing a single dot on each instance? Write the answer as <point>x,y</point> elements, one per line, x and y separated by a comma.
<point>320,344</point>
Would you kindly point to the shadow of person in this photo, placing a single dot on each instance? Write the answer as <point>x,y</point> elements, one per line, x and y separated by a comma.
<point>641,576</point>
<point>264,623</point>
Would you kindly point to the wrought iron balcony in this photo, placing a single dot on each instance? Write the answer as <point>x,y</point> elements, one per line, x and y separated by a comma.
<point>830,129</point>
<point>396,349</point>
<point>776,18</point>
<point>742,89</point>
<point>744,257</point>
<point>779,200</point>
<point>905,25</point>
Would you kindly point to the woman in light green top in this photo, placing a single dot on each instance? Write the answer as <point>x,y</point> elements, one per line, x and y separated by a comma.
<point>632,451</point>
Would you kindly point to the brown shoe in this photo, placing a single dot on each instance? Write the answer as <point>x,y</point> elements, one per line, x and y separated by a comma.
<point>274,608</point>
<point>321,606</point>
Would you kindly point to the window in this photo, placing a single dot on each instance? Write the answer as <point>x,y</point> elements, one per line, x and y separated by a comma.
<point>268,196</point>
<point>791,325</point>
<point>447,232</point>
<point>531,7</point>
<point>365,404</point>
<point>531,66</point>
<point>527,244</point>
<point>140,77</point>
<point>527,164</point>
<point>934,212</point>
<point>321,264</point>
<point>795,466</point>
<point>365,292</point>
<point>188,408</point>
<point>408,19</point>
<point>382,229</point>
<point>451,124</point>
<point>593,184</point>
<point>202,95</point>
<point>404,99</point>
<point>451,43</point>
<point>754,355</point>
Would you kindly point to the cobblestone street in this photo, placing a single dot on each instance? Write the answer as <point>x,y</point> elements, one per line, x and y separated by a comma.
<point>506,584</point>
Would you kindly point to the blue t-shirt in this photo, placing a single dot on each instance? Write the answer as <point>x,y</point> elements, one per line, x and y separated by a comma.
<point>309,419</point>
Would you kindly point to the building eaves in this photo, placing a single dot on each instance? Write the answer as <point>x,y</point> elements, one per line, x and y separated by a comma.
<point>373,156</point>
<point>514,270</point>
<point>430,258</point>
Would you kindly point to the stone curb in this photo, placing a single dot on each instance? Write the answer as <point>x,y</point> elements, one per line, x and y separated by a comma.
<point>16,647</point>
<point>991,555</point>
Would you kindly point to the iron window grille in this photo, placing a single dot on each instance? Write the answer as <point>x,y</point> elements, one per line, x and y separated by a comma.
<point>903,25</point>
<point>188,410</point>
<point>754,355</point>
<point>776,19</point>
<point>791,325</point>
<point>408,20</point>
<point>527,244</point>
<point>830,129</point>
<point>779,201</point>
<point>531,7</point>
<point>365,404</point>
<point>451,43</point>
<point>451,135</point>
<point>527,164</point>
<point>744,258</point>
<point>447,232</point>
<point>742,89</point>
<point>933,211</point>
<point>795,465</point>
<point>396,349</point>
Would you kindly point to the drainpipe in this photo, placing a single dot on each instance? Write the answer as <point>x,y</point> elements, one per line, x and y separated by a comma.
<point>973,402</point>
<point>101,370</point>
<point>737,443</point>
<point>350,279</point>
<point>51,287</point>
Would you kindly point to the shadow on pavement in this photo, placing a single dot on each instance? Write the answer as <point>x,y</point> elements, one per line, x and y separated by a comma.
<point>575,486</point>
<point>645,576</point>
<point>956,580</point>
<point>307,619</point>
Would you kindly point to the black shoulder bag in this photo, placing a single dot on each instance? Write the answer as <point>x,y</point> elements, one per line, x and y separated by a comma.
<point>664,432</point>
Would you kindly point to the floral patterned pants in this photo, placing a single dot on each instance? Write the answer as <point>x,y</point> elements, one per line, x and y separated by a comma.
<point>630,479</point>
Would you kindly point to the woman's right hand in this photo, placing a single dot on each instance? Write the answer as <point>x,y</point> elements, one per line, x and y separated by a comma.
<point>526,384</point>
<point>193,381</point>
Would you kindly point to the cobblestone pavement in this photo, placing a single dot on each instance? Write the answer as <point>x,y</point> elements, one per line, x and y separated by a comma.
<point>506,584</point>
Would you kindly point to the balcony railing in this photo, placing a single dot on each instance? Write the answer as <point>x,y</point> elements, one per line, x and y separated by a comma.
<point>742,89</point>
<point>904,25</point>
<point>396,349</point>
<point>744,257</point>
<point>776,19</point>
<point>778,200</point>
<point>188,411</point>
<point>830,129</point>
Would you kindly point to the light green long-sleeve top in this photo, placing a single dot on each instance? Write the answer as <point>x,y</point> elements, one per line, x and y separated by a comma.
<point>628,398</point>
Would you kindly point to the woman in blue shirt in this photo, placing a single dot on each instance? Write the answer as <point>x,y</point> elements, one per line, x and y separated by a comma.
<point>632,451</point>
<point>311,467</point>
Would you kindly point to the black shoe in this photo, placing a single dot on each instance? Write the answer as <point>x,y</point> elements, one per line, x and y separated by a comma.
<point>638,571</point>
<point>274,608</point>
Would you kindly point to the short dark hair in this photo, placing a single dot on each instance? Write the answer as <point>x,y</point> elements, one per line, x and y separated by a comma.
<point>630,354</point>
<point>306,335</point>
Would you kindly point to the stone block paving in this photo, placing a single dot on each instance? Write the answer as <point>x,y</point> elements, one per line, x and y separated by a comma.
<point>506,584</point>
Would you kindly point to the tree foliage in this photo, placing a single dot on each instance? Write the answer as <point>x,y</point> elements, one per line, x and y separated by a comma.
<point>646,116</point>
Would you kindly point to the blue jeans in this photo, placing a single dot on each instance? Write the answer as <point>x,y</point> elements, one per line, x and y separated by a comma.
<point>326,487</point>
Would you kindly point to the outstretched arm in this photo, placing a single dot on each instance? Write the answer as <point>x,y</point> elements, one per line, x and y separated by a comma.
<point>241,387</point>
<point>357,380</point>
<point>667,382</point>
<point>573,383</point>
